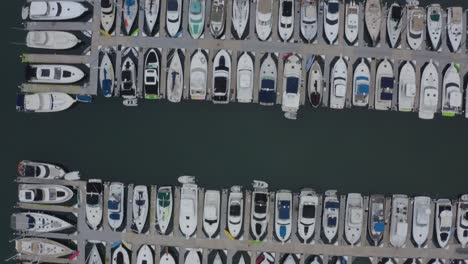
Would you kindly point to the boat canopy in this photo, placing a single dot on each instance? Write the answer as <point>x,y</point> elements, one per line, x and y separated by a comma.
<point>113,205</point>
<point>172,5</point>
<point>332,205</point>
<point>331,221</point>
<point>284,208</point>
<point>333,7</point>
<point>363,88</point>
<point>287,8</point>
<point>308,211</point>
<point>379,226</point>
<point>292,85</point>
<point>396,13</point>
<point>386,83</point>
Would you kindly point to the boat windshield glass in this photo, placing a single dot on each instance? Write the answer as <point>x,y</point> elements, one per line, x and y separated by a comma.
<point>435,17</point>
<point>292,85</point>
<point>172,5</point>
<point>287,8</point>
<point>220,84</point>
<point>308,211</point>
<point>333,7</point>
<point>268,84</point>
<point>332,205</point>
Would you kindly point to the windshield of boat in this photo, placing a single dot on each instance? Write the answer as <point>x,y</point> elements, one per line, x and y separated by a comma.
<point>292,85</point>
<point>333,7</point>
<point>308,211</point>
<point>220,84</point>
<point>287,8</point>
<point>172,5</point>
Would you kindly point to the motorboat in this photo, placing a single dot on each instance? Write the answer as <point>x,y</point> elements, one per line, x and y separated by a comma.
<point>140,207</point>
<point>53,73</point>
<point>399,220</point>
<point>338,84</point>
<point>129,71</point>
<point>268,75</point>
<point>164,204</point>
<point>198,75</point>
<point>120,255</point>
<point>188,206</point>
<point>384,85</point>
<point>173,17</point>
<point>40,170</point>
<point>415,27</point>
<point>242,259</point>
<point>289,259</point>
<point>196,18</point>
<point>129,14</point>
<point>454,27</point>
<point>315,259</point>
<point>434,25</point>
<point>167,258</point>
<point>218,18</point>
<point>44,193</point>
<point>145,255</point>
<point>264,19</point>
<point>53,10</point>
<point>352,22</point>
<point>443,222</point>
<point>235,211</point>
<point>211,213</point>
<point>361,84</point>
<point>292,78</point>
<point>309,19</point>
<point>115,205</point>
<point>394,24</point>
<point>240,16</point>
<point>53,40</point>
<point>307,215</point>
<point>94,257</point>
<point>315,84</point>
<point>373,19</point>
<point>286,19</point>
<point>331,20</point>
<point>245,78</point>
<point>221,78</point>
<point>421,218</point>
<point>217,259</point>
<point>44,102</point>
<point>354,218</point>
<point>265,258</point>
<point>38,222</point>
<point>283,215</point>
<point>151,75</point>
<point>94,203</point>
<point>462,220</point>
<point>330,215</point>
<point>151,14</point>
<point>192,257</point>
<point>452,92</point>
<point>376,221</point>
<point>259,210</point>
<point>41,248</point>
<point>175,79</point>
<point>107,15</point>
<point>429,95</point>
<point>106,76</point>
<point>407,87</point>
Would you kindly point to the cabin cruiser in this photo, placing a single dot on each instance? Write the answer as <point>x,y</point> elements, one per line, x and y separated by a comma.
<point>53,73</point>
<point>292,78</point>
<point>309,19</point>
<point>286,19</point>
<point>41,248</point>
<point>454,27</point>
<point>315,84</point>
<point>268,75</point>
<point>452,93</point>
<point>211,215</point>
<point>462,220</point>
<point>54,40</point>
<point>307,215</point>
<point>354,218</point>
<point>331,20</point>
<point>107,15</point>
<point>361,84</point>
<point>40,170</point>
<point>129,71</point>
<point>221,77</point>
<point>43,102</point>
<point>376,221</point>
<point>151,14</point>
<point>196,18</point>
<point>245,78</point>
<point>384,86</point>
<point>53,10</point>
<point>106,76</point>
<point>140,208</point>
<point>44,193</point>
<point>218,18</point>
<point>145,255</point>
<point>198,76</point>
<point>115,205</point>
<point>352,22</point>
<point>235,211</point>
<point>415,27</point>
<point>151,75</point>
<point>331,210</point>
<point>94,256</point>
<point>240,16</point>
<point>260,210</point>
<point>429,91</point>
<point>129,14</point>
<point>175,79</point>
<point>373,17</point>
<point>264,19</point>
<point>338,84</point>
<point>120,255</point>
<point>407,87</point>
<point>394,24</point>
<point>283,215</point>
<point>443,222</point>
<point>399,220</point>
<point>434,25</point>
<point>421,218</point>
<point>94,203</point>
<point>164,204</point>
<point>38,222</point>
<point>188,206</point>
<point>192,257</point>
<point>173,17</point>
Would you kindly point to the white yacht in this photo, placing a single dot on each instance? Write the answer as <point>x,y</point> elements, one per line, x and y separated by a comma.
<point>53,73</point>
<point>211,213</point>
<point>429,95</point>
<point>151,75</point>
<point>198,75</point>
<point>399,220</point>
<point>221,89</point>
<point>41,248</point>
<point>394,24</point>
<point>40,170</point>
<point>192,257</point>
<point>373,18</point>
<point>330,215</point>
<point>292,78</point>
<point>264,19</point>
<point>129,15</point>
<point>267,84</point>
<point>407,87</point>
<point>454,27</point>
<point>352,22</point>
<point>259,210</point>
<point>107,15</point>
<point>218,18</point>
<point>173,17</point>
<point>283,215</point>
<point>235,211</point>
<point>307,215</point>
<point>120,255</point>
<point>164,204</point>
<point>94,203</point>
<point>361,83</point>
<point>188,206</point>
<point>38,222</point>
<point>129,72</point>
<point>245,78</point>
<point>167,258</point>
<point>309,19</point>
<point>44,102</point>
<point>106,76</point>
<point>443,222</point>
<point>421,218</point>
<point>384,85</point>
<point>376,220</point>
<point>338,82</point>
<point>286,19</point>
<point>94,256</point>
<point>145,255</point>
<point>54,40</point>
<point>462,220</point>
<point>331,20</point>
<point>240,16</point>
<point>354,218</point>
<point>434,25</point>
<point>415,27</point>
<point>315,84</point>
<point>452,92</point>
<point>140,208</point>
<point>53,10</point>
<point>151,14</point>
<point>115,205</point>
<point>196,18</point>
<point>44,193</point>
<point>175,79</point>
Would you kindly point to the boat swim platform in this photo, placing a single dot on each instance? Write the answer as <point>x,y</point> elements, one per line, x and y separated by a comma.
<point>175,239</point>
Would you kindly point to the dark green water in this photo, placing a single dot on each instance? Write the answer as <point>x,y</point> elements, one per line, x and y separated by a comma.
<point>353,151</point>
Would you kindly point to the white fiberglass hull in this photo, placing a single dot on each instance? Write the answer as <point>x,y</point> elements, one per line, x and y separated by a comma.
<point>107,15</point>
<point>145,255</point>
<point>53,10</point>
<point>352,22</point>
<point>196,18</point>
<point>54,73</point>
<point>240,16</point>
<point>115,205</point>
<point>407,87</point>
<point>198,76</point>
<point>120,256</point>
<point>188,209</point>
<point>44,193</point>
<point>429,95</point>
<point>54,40</point>
<point>235,212</point>
<point>338,84</point>
<point>175,79</point>
<point>292,77</point>
<point>309,20</point>
<point>462,220</point>
<point>384,86</point>
<point>151,13</point>
<point>454,27</point>
<point>421,218</point>
<point>164,209</point>
<point>354,218</point>
<point>173,17</point>
<point>399,221</point>
<point>307,215</point>
<point>211,213</point>
<point>264,19</point>
<point>245,78</point>
<point>452,94</point>
<point>394,25</point>
<point>106,76</point>
<point>434,25</point>
<point>140,207</point>
<point>361,84</point>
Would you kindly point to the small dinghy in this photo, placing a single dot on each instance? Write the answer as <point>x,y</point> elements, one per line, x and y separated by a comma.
<point>44,193</point>
<point>175,79</point>
<point>106,76</point>
<point>43,102</point>
<point>53,10</point>
<point>129,12</point>
<point>53,73</point>
<point>38,222</point>
<point>54,40</point>
<point>140,207</point>
<point>151,14</point>
<point>41,248</point>
<point>145,255</point>
<point>107,15</point>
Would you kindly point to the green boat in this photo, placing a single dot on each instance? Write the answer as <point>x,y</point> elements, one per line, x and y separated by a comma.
<point>196,18</point>
<point>164,208</point>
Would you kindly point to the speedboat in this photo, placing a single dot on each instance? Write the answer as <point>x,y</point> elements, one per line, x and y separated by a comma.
<point>129,70</point>
<point>218,18</point>
<point>140,208</point>
<point>290,259</point>
<point>43,102</point>
<point>115,205</point>
<point>196,18</point>
<point>106,76</point>
<point>429,91</point>
<point>373,18</point>
<point>283,215</point>
<point>268,75</point>
<point>235,211</point>
<point>264,19</point>
<point>415,27</point>
<point>38,222</point>
<point>151,75</point>
<point>145,255</point>
<point>421,218</point>
<point>245,78</point>
<point>352,22</point>
<point>292,77</point>
<point>452,93</point>
<point>315,84</point>
<point>151,14</point>
<point>240,16</point>
<point>443,222</point>
<point>211,213</point>
<point>376,221</point>
<point>167,258</point>
<point>384,85</point>
<point>331,210</point>
<point>164,204</point>
<point>41,248</point>
<point>44,193</point>
<point>188,206</point>
<point>54,40</point>
<point>198,76</point>
<point>361,84</point>
<point>40,170</point>
<point>454,27</point>
<point>259,210</point>
<point>399,220</point>
<point>192,257</point>
<point>173,17</point>
<point>331,20</point>
<point>107,15</point>
<point>434,24</point>
<point>129,14</point>
<point>94,256</point>
<point>94,203</point>
<point>315,259</point>
<point>286,19</point>
<point>242,259</point>
<point>307,215</point>
<point>309,19</point>
<point>175,79</point>
<point>462,220</point>
<point>338,82</point>
<point>217,259</point>
<point>407,87</point>
<point>53,73</point>
<point>265,258</point>
<point>120,255</point>
<point>221,77</point>
<point>53,10</point>
<point>354,218</point>
<point>394,24</point>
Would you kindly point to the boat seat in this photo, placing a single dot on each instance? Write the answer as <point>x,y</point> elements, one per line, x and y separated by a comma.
<point>340,90</point>
<point>455,99</point>
<point>410,90</point>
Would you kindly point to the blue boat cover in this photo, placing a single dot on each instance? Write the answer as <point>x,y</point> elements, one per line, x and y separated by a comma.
<point>292,85</point>
<point>333,7</point>
<point>386,82</point>
<point>284,207</point>
<point>363,89</point>
<point>331,221</point>
<point>282,231</point>
<point>386,96</point>
<point>332,205</point>
<point>359,78</point>
<point>106,86</point>
<point>195,8</point>
<point>85,98</point>
<point>20,102</point>
<point>113,205</point>
<point>129,2</point>
<point>379,227</point>
<point>172,5</point>
<point>114,216</point>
